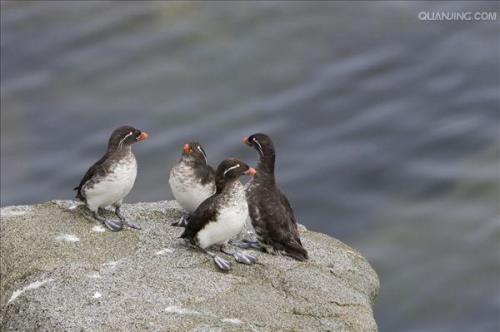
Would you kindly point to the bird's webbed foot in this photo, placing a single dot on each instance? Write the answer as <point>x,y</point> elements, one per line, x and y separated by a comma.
<point>220,262</point>
<point>123,220</point>
<point>239,256</point>
<point>112,225</point>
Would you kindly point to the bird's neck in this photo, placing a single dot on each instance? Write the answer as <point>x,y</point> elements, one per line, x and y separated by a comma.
<point>120,150</point>
<point>224,186</point>
<point>266,164</point>
<point>193,162</point>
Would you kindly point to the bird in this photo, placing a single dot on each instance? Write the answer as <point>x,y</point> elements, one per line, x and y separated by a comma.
<point>192,180</point>
<point>222,216</point>
<point>110,179</point>
<point>271,214</point>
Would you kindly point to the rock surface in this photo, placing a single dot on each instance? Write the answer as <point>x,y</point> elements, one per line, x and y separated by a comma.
<point>62,271</point>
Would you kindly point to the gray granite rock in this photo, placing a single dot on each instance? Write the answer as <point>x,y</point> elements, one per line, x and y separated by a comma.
<point>62,271</point>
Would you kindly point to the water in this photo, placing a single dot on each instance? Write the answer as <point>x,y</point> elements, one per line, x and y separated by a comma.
<point>387,127</point>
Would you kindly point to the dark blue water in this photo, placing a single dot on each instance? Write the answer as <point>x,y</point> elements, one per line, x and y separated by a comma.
<point>387,127</point>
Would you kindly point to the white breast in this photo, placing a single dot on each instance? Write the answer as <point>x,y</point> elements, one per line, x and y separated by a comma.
<point>187,190</point>
<point>230,222</point>
<point>114,186</point>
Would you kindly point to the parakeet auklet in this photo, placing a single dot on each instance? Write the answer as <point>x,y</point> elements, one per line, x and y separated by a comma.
<point>191,180</point>
<point>222,216</point>
<point>270,211</point>
<point>112,177</point>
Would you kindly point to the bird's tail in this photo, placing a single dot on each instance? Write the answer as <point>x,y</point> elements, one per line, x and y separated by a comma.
<point>296,250</point>
<point>189,237</point>
<point>186,234</point>
<point>79,195</point>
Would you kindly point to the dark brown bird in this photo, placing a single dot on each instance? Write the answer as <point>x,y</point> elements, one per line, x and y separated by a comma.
<point>270,211</point>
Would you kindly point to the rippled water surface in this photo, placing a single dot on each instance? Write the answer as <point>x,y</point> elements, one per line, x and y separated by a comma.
<point>386,127</point>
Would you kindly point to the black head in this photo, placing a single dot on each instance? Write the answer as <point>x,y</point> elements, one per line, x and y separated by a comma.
<point>232,168</point>
<point>194,150</point>
<point>126,136</point>
<point>260,142</point>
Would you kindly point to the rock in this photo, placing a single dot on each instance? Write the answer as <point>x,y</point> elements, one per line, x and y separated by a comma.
<point>62,271</point>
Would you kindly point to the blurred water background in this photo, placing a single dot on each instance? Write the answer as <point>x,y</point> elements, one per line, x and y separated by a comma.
<point>386,127</point>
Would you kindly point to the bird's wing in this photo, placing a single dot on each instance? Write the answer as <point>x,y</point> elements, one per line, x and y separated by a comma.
<point>94,170</point>
<point>286,235</point>
<point>291,216</point>
<point>208,175</point>
<point>205,213</point>
<point>288,207</point>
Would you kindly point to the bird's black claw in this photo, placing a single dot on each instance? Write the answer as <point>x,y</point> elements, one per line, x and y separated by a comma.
<point>112,225</point>
<point>222,264</point>
<point>243,258</point>
<point>182,222</point>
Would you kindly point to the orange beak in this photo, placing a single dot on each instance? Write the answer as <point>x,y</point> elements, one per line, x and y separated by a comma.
<point>187,148</point>
<point>251,171</point>
<point>245,140</point>
<point>143,136</point>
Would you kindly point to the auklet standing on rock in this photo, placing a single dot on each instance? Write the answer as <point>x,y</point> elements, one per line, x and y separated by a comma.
<point>191,180</point>
<point>270,212</point>
<point>112,177</point>
<point>222,216</point>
